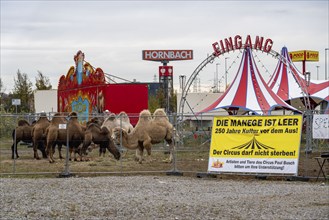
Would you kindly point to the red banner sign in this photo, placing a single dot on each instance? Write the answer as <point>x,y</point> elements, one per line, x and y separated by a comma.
<point>165,71</point>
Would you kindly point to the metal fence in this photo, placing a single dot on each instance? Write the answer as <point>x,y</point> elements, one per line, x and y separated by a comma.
<point>192,140</point>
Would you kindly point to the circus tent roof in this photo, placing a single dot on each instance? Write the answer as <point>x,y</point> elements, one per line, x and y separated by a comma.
<point>249,91</point>
<point>289,84</point>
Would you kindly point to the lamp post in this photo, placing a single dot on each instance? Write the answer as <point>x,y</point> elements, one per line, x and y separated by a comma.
<point>182,79</point>
<point>216,78</point>
<point>317,72</point>
<point>308,148</point>
<point>326,64</point>
<point>226,71</point>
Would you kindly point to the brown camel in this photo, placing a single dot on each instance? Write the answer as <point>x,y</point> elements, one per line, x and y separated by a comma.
<point>101,136</point>
<point>39,134</point>
<point>75,135</point>
<point>56,135</point>
<point>148,130</point>
<point>21,133</point>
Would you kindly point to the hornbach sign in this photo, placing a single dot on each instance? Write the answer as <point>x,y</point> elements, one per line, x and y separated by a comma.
<point>167,55</point>
<point>238,42</point>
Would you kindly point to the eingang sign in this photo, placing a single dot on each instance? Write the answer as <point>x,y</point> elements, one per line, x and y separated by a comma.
<point>255,144</point>
<point>237,42</point>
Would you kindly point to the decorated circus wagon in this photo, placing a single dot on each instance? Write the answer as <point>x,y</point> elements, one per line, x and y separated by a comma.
<point>84,89</point>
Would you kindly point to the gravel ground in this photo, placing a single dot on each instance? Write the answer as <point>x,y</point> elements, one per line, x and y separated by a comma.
<point>161,197</point>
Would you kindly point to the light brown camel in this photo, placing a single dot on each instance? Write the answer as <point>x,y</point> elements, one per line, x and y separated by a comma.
<point>39,134</point>
<point>116,121</point>
<point>121,121</point>
<point>101,136</point>
<point>148,130</point>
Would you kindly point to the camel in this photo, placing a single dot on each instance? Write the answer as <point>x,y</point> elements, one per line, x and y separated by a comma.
<point>119,121</point>
<point>148,130</point>
<point>122,120</point>
<point>101,136</point>
<point>55,135</point>
<point>76,135</point>
<point>21,133</point>
<point>38,135</point>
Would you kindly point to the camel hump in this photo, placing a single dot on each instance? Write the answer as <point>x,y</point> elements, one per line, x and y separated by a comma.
<point>105,130</point>
<point>145,115</point>
<point>23,122</point>
<point>91,125</point>
<point>58,118</point>
<point>111,117</point>
<point>124,117</point>
<point>160,114</point>
<point>73,115</point>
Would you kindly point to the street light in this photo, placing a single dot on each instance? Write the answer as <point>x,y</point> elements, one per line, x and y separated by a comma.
<point>216,78</point>
<point>226,71</point>
<point>317,72</point>
<point>182,79</point>
<point>308,115</point>
<point>326,64</point>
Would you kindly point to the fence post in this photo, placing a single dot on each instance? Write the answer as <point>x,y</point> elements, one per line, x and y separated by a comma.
<point>174,171</point>
<point>15,148</point>
<point>66,172</point>
<point>309,147</point>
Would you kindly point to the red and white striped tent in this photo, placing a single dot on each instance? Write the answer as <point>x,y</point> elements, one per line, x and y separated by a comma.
<point>290,85</point>
<point>248,92</point>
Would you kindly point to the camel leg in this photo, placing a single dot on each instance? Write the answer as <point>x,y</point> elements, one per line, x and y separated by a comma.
<point>148,150</point>
<point>148,146</point>
<point>43,151</point>
<point>100,151</point>
<point>139,154</point>
<point>35,150</point>
<point>51,154</point>
<point>171,149</point>
<point>14,151</point>
<point>59,147</point>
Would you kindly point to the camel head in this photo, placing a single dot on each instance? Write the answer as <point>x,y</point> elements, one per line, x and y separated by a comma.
<point>116,134</point>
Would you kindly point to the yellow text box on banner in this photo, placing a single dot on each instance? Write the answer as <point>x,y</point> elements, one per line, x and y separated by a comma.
<point>266,143</point>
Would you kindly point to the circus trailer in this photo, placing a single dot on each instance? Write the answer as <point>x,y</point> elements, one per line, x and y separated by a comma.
<point>84,90</point>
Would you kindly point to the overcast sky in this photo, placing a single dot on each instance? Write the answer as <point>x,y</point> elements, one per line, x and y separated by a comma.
<point>45,35</point>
